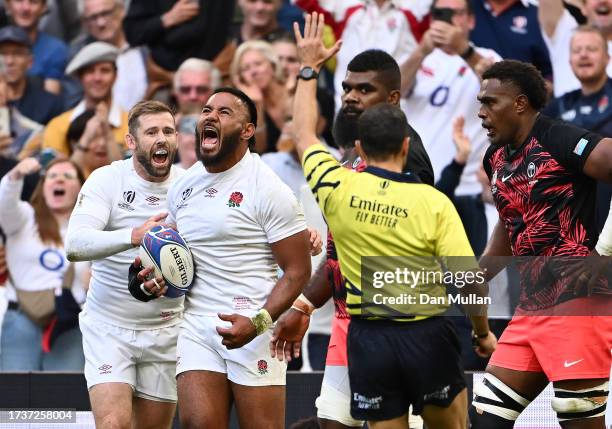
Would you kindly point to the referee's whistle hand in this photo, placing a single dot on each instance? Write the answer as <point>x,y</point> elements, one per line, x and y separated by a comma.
<point>240,333</point>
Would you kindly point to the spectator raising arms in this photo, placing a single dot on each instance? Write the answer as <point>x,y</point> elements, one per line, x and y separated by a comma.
<point>37,262</point>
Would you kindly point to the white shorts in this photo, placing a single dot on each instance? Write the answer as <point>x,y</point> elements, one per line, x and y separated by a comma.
<point>199,348</point>
<point>334,402</point>
<point>144,359</point>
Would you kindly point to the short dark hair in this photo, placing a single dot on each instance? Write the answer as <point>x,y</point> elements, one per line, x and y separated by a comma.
<point>382,130</point>
<point>380,62</point>
<point>146,107</point>
<point>247,100</point>
<point>524,76</point>
<point>77,126</point>
<point>469,7</point>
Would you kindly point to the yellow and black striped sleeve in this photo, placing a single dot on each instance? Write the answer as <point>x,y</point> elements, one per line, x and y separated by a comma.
<point>323,173</point>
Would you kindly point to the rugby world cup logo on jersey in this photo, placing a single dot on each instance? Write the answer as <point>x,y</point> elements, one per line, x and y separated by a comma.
<point>184,197</point>
<point>128,199</point>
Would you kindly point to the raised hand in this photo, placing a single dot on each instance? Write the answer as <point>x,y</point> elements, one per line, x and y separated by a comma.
<point>462,142</point>
<point>311,50</point>
<point>25,167</point>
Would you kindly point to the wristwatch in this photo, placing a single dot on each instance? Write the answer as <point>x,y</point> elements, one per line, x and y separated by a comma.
<point>307,73</point>
<point>468,52</point>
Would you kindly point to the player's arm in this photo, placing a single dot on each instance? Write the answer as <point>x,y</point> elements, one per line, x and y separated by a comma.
<point>292,325</point>
<point>292,255</point>
<point>312,53</point>
<point>604,244</point>
<point>14,211</point>
<point>454,246</point>
<point>87,238</point>
<point>497,253</point>
<point>549,14</point>
<point>599,162</point>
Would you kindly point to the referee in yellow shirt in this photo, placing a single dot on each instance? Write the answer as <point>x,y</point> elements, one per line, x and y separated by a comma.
<point>395,360</point>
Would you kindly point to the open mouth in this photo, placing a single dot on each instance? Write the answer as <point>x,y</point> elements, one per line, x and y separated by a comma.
<point>490,130</point>
<point>59,192</point>
<point>160,156</point>
<point>602,10</point>
<point>349,111</point>
<point>210,137</point>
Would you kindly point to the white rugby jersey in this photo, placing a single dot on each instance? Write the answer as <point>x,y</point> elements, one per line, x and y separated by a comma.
<point>113,201</point>
<point>445,88</point>
<point>229,220</point>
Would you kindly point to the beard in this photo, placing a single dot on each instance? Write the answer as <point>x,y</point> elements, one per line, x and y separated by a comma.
<point>228,145</point>
<point>144,159</point>
<point>345,128</point>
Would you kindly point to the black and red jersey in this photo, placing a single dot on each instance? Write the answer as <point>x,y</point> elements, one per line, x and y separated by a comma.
<point>546,202</point>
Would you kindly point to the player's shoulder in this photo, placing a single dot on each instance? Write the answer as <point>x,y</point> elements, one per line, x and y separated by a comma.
<point>183,178</point>
<point>263,176</point>
<point>110,173</point>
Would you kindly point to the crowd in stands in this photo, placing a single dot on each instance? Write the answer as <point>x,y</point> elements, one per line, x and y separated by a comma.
<point>71,70</point>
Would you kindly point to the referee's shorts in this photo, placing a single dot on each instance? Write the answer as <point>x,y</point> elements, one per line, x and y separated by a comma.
<point>393,365</point>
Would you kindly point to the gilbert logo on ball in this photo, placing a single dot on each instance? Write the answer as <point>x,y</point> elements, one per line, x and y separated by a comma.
<point>166,251</point>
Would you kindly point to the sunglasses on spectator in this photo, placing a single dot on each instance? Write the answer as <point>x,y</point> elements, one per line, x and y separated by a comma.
<point>66,175</point>
<point>200,89</point>
<point>104,14</point>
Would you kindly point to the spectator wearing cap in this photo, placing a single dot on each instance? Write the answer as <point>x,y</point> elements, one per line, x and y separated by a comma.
<point>95,67</point>
<point>29,99</point>
<point>50,54</point>
<point>102,21</point>
<point>187,141</point>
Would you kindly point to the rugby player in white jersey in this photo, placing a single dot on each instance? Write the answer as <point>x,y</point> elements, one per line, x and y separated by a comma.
<point>130,346</point>
<point>242,223</point>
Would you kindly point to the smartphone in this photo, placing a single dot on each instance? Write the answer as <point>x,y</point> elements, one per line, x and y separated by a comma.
<point>5,121</point>
<point>442,14</point>
<point>45,157</point>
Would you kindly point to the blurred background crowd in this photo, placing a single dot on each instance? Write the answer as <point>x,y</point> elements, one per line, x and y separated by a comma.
<point>70,70</point>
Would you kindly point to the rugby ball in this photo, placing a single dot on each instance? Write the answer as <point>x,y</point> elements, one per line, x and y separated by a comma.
<point>166,251</point>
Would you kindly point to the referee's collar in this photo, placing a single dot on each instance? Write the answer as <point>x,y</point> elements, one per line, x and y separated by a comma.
<point>391,175</point>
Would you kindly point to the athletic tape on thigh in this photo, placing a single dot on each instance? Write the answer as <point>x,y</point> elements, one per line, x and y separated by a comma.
<point>580,404</point>
<point>494,397</point>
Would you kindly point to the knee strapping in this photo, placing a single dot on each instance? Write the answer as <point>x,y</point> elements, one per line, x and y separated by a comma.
<point>494,397</point>
<point>580,404</point>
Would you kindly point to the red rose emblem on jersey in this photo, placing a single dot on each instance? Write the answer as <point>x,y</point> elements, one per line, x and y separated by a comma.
<point>262,367</point>
<point>235,199</point>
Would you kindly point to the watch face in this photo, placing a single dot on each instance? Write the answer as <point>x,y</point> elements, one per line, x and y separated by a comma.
<point>307,72</point>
